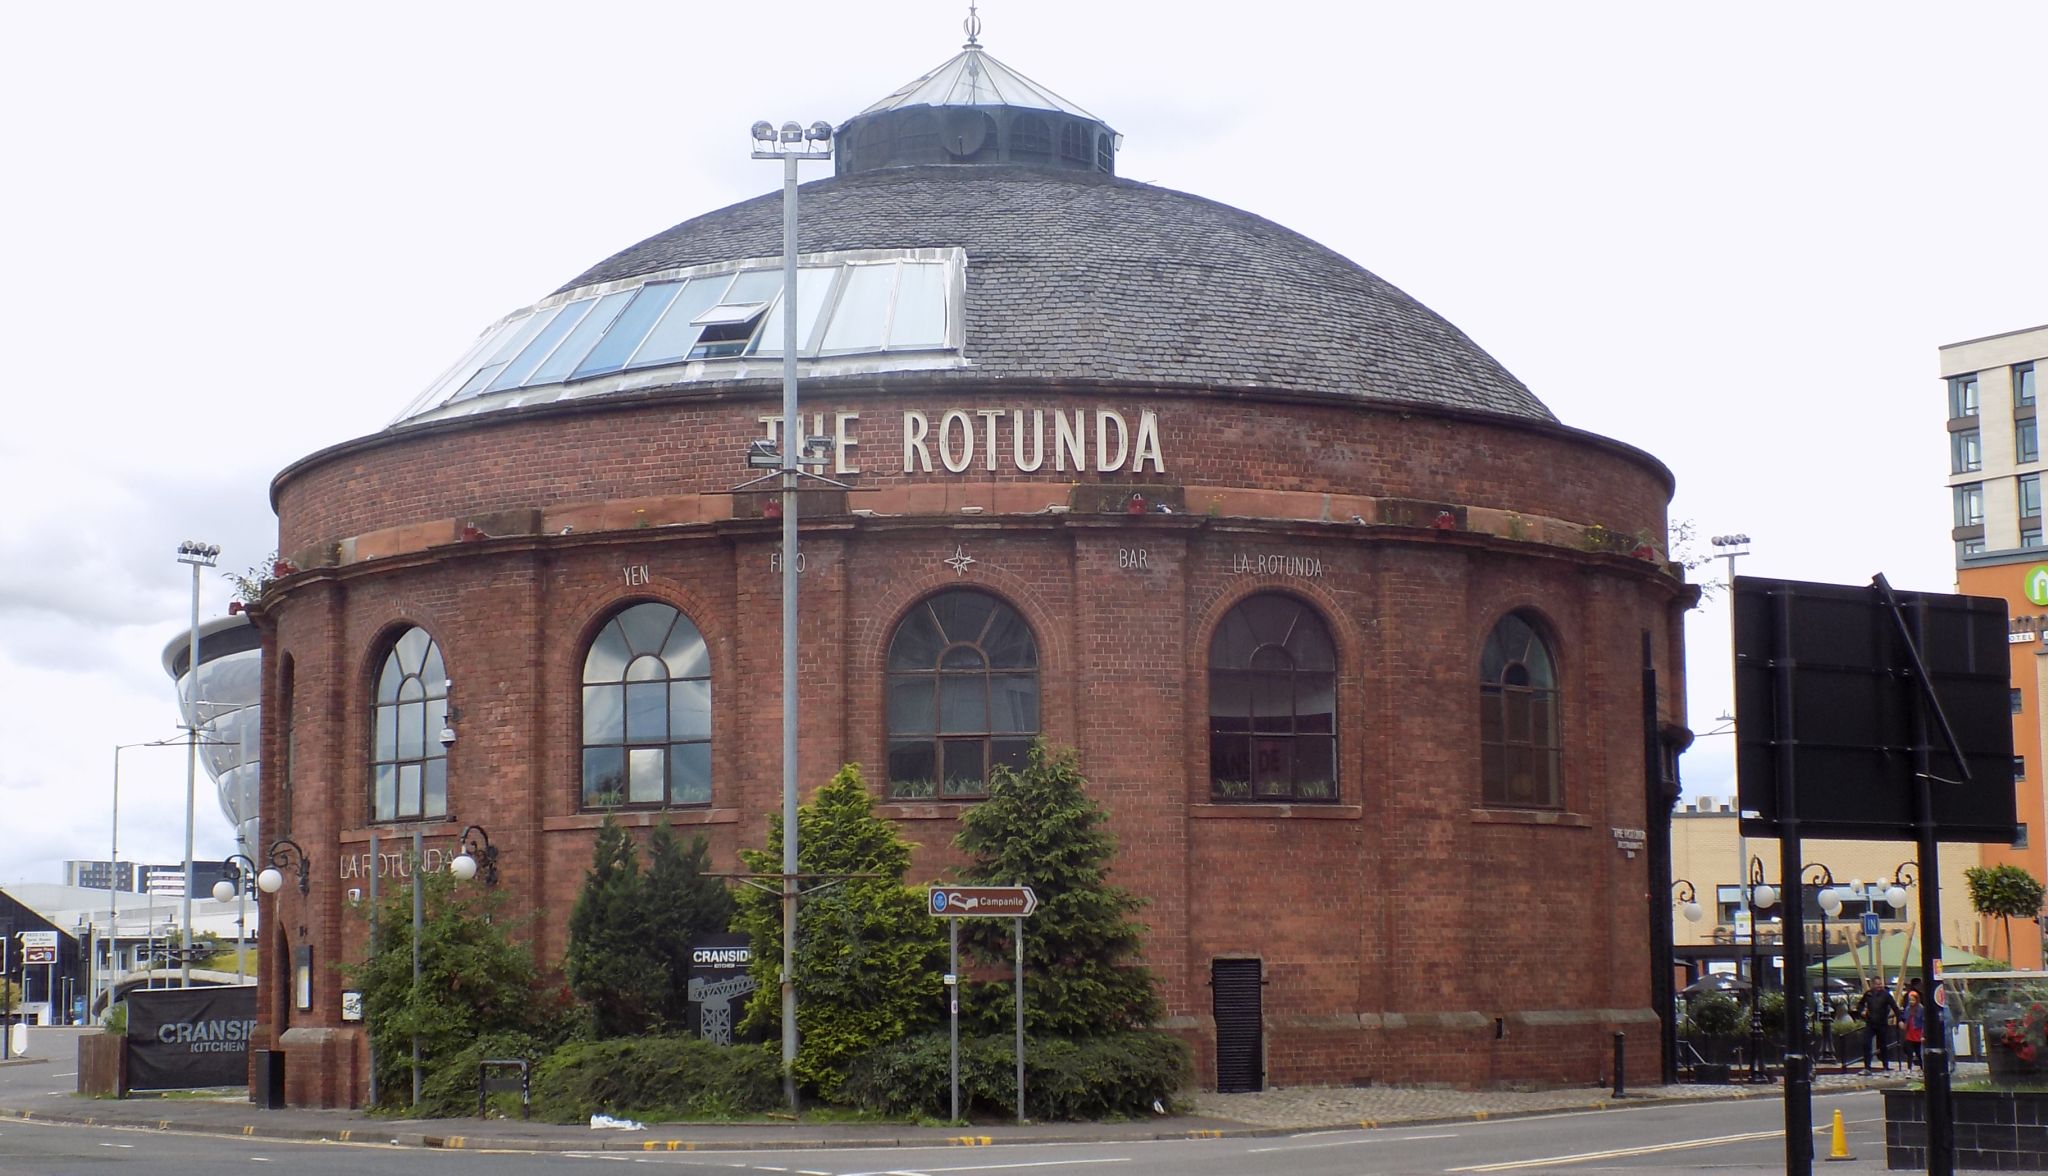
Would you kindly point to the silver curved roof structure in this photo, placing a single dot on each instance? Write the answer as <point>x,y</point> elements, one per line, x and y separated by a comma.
<point>224,701</point>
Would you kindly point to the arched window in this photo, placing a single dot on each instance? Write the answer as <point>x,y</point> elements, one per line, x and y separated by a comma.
<point>409,764</point>
<point>1518,753</point>
<point>647,711</point>
<point>963,695</point>
<point>1272,703</point>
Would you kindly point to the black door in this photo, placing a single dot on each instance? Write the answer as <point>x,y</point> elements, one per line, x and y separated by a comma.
<point>1240,1046</point>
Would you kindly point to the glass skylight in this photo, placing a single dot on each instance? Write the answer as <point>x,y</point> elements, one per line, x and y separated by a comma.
<point>713,319</point>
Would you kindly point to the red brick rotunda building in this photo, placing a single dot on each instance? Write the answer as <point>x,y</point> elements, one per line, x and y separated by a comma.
<point>1344,625</point>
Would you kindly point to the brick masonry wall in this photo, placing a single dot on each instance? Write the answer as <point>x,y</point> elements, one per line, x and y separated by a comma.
<point>1394,926</point>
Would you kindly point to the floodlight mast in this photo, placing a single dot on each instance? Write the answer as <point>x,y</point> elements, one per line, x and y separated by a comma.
<point>198,555</point>
<point>791,144</point>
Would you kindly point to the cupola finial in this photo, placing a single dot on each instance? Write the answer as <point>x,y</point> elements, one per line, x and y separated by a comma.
<point>973,26</point>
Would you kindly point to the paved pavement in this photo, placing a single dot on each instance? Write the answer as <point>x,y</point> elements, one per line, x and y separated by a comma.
<point>43,1088</point>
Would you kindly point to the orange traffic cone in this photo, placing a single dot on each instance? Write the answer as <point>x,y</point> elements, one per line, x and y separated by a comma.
<point>1838,1149</point>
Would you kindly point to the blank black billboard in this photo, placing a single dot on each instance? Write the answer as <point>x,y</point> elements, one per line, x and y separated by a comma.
<point>1821,672</point>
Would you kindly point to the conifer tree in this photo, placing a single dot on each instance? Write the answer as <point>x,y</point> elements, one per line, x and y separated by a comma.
<point>613,963</point>
<point>683,905</point>
<point>869,961</point>
<point>1040,828</point>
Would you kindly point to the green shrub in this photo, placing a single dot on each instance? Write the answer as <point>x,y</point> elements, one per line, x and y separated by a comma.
<point>1117,1075</point>
<point>448,1086</point>
<point>869,960</point>
<point>1770,1009</point>
<point>1716,1014</point>
<point>1041,827</point>
<point>678,1077</point>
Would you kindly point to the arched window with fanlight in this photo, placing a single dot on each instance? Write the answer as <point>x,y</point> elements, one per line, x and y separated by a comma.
<point>1518,724</point>
<point>408,761</point>
<point>1272,703</point>
<point>647,711</point>
<point>963,695</point>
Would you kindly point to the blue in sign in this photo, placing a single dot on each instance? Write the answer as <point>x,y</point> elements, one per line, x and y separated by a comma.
<point>938,900</point>
<point>1870,922</point>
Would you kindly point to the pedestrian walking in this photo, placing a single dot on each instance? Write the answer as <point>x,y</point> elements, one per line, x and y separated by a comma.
<point>1877,1010</point>
<point>1913,1027</point>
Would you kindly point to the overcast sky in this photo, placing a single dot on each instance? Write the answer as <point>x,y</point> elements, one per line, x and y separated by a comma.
<point>1732,235</point>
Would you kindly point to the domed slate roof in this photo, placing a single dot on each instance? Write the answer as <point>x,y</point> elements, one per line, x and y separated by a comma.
<point>1073,275</point>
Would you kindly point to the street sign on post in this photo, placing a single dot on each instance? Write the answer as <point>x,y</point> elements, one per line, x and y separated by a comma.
<point>38,947</point>
<point>954,903</point>
<point>980,902</point>
<point>1870,926</point>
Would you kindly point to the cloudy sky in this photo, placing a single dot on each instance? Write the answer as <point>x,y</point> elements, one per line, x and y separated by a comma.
<point>1732,235</point>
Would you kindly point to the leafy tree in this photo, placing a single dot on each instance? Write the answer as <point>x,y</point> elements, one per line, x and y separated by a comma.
<point>1040,827</point>
<point>474,984</point>
<point>683,905</point>
<point>2004,891</point>
<point>869,961</point>
<point>614,963</point>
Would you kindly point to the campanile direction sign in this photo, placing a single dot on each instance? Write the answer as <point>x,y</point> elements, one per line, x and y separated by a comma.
<point>980,902</point>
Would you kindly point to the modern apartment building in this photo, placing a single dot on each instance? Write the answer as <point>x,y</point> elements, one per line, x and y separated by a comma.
<point>1993,386</point>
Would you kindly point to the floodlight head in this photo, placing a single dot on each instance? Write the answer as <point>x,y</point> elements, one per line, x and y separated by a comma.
<point>764,131</point>
<point>819,132</point>
<point>792,132</point>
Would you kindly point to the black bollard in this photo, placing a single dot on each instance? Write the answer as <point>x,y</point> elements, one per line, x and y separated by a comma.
<point>1620,1058</point>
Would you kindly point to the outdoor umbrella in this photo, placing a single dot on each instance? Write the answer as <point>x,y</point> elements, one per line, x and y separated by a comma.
<point>1892,949</point>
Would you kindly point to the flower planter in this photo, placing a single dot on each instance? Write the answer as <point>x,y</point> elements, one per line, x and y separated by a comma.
<point>2009,1069</point>
<point>2002,1130</point>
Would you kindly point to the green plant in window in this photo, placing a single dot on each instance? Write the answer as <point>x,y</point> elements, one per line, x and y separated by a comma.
<point>1233,789</point>
<point>914,789</point>
<point>1315,789</point>
<point>608,798</point>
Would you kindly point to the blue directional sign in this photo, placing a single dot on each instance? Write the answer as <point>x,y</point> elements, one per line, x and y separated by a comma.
<point>1870,922</point>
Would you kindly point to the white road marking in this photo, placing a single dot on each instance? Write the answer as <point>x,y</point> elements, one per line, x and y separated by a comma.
<point>1312,1146</point>
<point>1622,1152</point>
<point>991,1167</point>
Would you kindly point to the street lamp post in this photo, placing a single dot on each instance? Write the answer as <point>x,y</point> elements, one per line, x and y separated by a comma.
<point>791,144</point>
<point>240,873</point>
<point>114,862</point>
<point>1687,897</point>
<point>1762,897</point>
<point>1830,901</point>
<point>197,555</point>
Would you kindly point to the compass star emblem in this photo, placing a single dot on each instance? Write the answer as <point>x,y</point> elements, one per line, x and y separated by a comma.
<point>960,561</point>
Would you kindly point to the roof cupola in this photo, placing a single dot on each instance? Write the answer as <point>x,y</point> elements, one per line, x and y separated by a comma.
<point>975,110</point>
